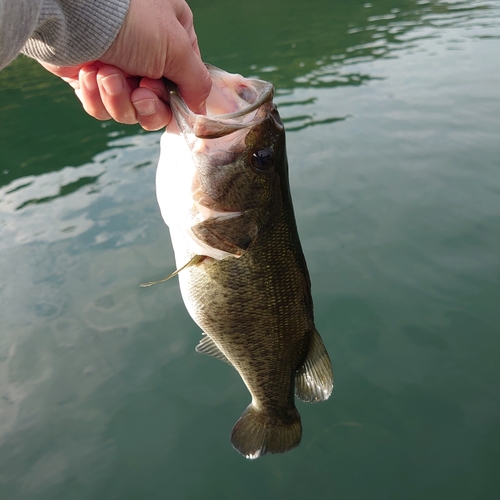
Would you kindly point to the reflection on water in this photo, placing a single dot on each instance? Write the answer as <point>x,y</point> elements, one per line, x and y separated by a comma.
<point>64,190</point>
<point>392,110</point>
<point>389,35</point>
<point>76,200</point>
<point>306,121</point>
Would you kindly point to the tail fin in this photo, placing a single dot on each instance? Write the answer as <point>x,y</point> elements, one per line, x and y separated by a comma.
<point>257,433</point>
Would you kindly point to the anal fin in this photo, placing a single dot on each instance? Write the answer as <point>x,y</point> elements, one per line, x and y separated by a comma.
<point>314,379</point>
<point>207,346</point>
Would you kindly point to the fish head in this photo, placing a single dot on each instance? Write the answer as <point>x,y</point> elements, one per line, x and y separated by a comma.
<point>238,172</point>
<point>238,165</point>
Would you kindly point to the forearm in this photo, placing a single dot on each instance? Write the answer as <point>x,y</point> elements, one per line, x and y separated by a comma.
<point>60,32</point>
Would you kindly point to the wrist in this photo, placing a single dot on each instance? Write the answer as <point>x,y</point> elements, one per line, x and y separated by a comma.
<point>72,32</point>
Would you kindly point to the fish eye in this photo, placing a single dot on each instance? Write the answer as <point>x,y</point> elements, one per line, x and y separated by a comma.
<point>263,159</point>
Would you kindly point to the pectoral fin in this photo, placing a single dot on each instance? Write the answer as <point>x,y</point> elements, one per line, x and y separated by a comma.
<point>233,235</point>
<point>314,379</point>
<point>193,262</point>
<point>207,346</point>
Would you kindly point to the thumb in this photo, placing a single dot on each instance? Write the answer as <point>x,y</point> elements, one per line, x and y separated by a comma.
<point>187,71</point>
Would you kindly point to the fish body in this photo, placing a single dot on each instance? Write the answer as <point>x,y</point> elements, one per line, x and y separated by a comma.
<point>223,189</point>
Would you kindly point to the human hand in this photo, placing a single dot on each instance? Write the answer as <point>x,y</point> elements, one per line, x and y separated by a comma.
<point>107,93</point>
<point>157,39</point>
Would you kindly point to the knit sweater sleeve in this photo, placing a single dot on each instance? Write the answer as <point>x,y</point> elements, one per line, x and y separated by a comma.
<point>60,32</point>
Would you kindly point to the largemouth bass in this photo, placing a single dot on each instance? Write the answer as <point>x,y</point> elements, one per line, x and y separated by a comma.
<point>223,190</point>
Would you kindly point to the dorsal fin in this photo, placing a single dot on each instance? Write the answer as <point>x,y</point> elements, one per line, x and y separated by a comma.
<point>314,379</point>
<point>207,346</point>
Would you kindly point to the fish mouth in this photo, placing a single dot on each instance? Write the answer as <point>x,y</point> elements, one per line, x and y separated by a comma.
<point>233,104</point>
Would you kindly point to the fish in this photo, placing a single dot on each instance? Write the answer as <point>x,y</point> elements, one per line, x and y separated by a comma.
<point>223,189</point>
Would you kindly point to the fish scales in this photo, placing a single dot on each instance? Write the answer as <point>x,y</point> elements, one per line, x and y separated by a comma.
<point>271,305</point>
<point>223,189</point>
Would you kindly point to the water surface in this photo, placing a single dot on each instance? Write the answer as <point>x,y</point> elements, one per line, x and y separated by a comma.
<point>393,116</point>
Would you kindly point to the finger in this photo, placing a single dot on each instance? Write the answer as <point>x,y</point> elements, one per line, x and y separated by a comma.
<point>156,86</point>
<point>186,69</point>
<point>193,38</point>
<point>64,71</point>
<point>152,113</point>
<point>72,82</point>
<point>185,17</point>
<point>89,95</point>
<point>115,92</point>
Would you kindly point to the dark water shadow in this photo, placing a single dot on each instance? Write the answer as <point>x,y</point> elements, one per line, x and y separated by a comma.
<point>64,190</point>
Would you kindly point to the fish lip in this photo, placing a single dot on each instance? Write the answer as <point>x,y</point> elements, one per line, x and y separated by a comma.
<point>266,95</point>
<point>215,126</point>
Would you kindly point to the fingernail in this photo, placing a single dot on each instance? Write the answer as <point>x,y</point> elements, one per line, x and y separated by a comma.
<point>113,84</point>
<point>145,107</point>
<point>89,81</point>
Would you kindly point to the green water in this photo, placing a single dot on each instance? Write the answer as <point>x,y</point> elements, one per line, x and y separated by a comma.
<point>393,117</point>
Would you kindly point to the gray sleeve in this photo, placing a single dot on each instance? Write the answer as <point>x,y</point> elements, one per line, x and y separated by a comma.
<point>18,19</point>
<point>61,32</point>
